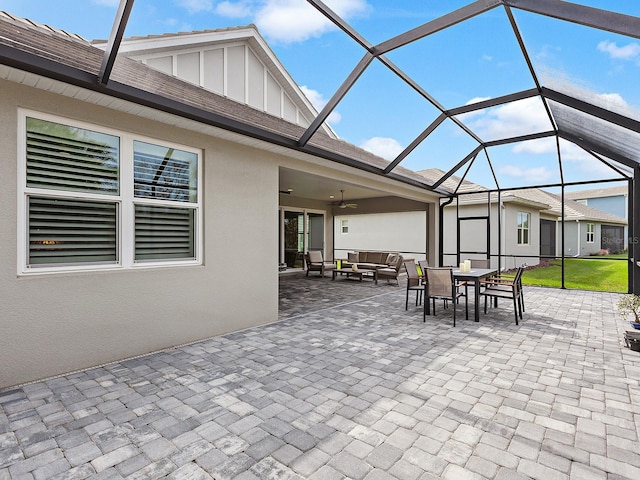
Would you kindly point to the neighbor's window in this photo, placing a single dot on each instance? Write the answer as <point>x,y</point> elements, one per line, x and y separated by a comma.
<point>523,228</point>
<point>94,198</point>
<point>345,226</point>
<point>590,232</point>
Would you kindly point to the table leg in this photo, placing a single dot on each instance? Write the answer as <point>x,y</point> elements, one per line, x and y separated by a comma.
<point>476,306</point>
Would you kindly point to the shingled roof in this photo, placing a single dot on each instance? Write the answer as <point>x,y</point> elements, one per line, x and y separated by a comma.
<point>71,59</point>
<point>547,202</point>
<point>598,193</point>
<point>606,132</point>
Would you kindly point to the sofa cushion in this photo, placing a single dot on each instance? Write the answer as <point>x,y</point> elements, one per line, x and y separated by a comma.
<point>376,257</point>
<point>315,256</point>
<point>353,257</point>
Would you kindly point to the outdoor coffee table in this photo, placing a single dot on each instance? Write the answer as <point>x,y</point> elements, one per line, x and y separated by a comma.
<point>359,274</point>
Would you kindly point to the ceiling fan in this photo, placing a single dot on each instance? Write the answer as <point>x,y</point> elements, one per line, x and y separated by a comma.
<point>342,203</point>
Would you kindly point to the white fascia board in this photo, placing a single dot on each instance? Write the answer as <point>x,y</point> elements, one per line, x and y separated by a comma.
<point>159,43</point>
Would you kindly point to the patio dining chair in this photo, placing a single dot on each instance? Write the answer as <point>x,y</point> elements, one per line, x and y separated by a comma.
<point>315,263</point>
<point>423,264</point>
<point>414,283</point>
<point>440,284</point>
<point>391,272</point>
<point>500,287</point>
<point>480,263</point>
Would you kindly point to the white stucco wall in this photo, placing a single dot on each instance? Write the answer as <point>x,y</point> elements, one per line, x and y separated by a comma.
<point>56,323</point>
<point>403,232</point>
<point>473,234</point>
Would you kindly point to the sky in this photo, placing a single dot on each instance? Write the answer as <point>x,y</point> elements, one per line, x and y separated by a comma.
<point>475,60</point>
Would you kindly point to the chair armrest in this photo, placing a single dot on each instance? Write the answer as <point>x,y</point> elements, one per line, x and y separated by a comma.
<point>496,281</point>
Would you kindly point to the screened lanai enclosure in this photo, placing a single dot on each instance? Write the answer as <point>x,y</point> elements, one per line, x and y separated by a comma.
<point>501,94</point>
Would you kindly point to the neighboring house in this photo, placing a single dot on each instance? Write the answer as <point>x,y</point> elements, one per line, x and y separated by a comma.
<point>530,226</point>
<point>614,200</point>
<point>529,222</point>
<point>588,230</point>
<point>141,213</point>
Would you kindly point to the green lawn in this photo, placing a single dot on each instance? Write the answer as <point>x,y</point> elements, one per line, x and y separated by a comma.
<point>582,274</point>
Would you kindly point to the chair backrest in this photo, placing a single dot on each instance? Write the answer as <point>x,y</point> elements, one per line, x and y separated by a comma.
<point>399,262</point>
<point>412,272</point>
<point>440,280</point>
<point>423,264</point>
<point>315,256</point>
<point>517,280</point>
<point>480,263</point>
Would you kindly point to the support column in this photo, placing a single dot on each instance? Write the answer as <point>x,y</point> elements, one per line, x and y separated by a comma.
<point>634,224</point>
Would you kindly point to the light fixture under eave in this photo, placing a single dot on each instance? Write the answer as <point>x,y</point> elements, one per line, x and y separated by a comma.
<point>342,203</point>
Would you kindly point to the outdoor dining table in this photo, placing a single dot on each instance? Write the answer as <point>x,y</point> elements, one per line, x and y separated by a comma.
<point>475,275</point>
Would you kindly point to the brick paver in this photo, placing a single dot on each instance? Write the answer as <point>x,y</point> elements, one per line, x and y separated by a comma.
<point>349,384</point>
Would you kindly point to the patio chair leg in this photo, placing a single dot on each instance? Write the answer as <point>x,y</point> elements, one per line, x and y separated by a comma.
<point>454,312</point>
<point>466,307</point>
<point>515,308</point>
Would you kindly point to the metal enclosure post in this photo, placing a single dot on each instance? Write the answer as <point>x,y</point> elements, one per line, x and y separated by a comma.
<point>631,235</point>
<point>499,231</point>
<point>562,235</point>
<point>634,215</point>
<point>457,230</point>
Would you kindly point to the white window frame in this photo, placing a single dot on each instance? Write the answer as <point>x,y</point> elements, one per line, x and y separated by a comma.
<point>125,201</point>
<point>344,226</point>
<point>520,229</point>
<point>591,232</point>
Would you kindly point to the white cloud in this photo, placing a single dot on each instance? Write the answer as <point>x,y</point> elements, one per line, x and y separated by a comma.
<point>289,21</point>
<point>510,120</point>
<point>466,117</point>
<point>196,6</point>
<point>387,148</point>
<point>612,101</point>
<point>318,102</point>
<point>533,174</point>
<point>234,9</point>
<point>626,52</point>
<point>540,146</point>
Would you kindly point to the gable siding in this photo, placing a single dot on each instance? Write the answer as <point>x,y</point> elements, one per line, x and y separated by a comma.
<point>234,71</point>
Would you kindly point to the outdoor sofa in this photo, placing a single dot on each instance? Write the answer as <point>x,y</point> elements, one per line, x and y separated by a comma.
<point>367,260</point>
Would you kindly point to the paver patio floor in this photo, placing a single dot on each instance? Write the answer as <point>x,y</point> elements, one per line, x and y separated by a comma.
<point>350,387</point>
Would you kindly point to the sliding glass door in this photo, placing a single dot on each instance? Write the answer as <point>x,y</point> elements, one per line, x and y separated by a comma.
<point>300,231</point>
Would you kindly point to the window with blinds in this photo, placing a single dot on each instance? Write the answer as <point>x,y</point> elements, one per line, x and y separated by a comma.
<point>80,211</point>
<point>164,232</point>
<point>67,231</point>
<point>60,157</point>
<point>164,173</point>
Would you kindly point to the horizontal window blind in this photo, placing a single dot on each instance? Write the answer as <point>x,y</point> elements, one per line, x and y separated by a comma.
<point>71,231</point>
<point>164,233</point>
<point>60,157</point>
<point>164,173</point>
